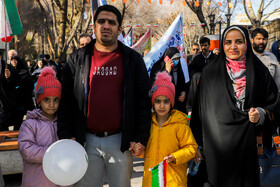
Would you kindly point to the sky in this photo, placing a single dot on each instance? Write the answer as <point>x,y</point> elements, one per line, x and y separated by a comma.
<point>255,3</point>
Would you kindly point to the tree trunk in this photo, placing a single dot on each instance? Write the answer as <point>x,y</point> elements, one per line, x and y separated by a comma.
<point>62,25</point>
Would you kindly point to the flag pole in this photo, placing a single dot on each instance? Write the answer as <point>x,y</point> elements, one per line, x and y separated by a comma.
<point>5,27</point>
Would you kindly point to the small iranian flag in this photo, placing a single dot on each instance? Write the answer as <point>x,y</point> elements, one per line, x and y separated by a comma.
<point>13,24</point>
<point>159,175</point>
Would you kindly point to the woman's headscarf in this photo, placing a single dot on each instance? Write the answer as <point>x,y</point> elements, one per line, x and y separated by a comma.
<point>275,51</point>
<point>254,67</point>
<point>20,63</point>
<point>237,68</point>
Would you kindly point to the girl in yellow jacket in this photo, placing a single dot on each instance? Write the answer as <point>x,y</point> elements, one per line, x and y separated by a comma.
<point>171,138</point>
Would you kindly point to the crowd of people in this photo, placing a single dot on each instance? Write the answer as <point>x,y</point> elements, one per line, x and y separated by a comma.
<point>104,98</point>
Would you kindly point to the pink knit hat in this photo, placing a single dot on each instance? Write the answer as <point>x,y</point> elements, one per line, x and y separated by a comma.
<point>163,86</point>
<point>47,85</point>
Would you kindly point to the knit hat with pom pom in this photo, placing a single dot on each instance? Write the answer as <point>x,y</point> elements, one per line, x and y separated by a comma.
<point>163,86</point>
<point>47,85</point>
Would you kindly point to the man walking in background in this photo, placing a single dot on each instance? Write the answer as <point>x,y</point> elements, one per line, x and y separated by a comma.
<point>259,39</point>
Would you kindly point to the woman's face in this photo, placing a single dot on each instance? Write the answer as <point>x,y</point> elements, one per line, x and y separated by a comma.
<point>14,62</point>
<point>235,45</point>
<point>40,63</point>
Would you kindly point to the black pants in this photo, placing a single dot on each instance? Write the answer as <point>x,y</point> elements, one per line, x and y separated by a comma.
<point>5,119</point>
<point>17,117</point>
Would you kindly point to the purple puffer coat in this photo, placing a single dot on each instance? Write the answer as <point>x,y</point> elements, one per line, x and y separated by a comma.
<point>36,134</point>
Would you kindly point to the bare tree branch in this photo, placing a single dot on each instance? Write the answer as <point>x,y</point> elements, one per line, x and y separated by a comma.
<point>268,4</point>
<point>58,4</point>
<point>72,33</point>
<point>86,26</point>
<point>247,13</point>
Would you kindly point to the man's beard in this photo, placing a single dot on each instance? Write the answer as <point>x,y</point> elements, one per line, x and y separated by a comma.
<point>204,51</point>
<point>259,49</point>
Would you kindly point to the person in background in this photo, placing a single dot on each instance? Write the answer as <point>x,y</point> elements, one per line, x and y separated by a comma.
<point>259,39</point>
<point>11,53</point>
<point>41,63</point>
<point>39,129</point>
<point>84,39</point>
<point>49,61</point>
<point>275,49</point>
<point>174,68</point>
<point>171,138</point>
<point>58,68</point>
<point>7,95</point>
<point>105,104</point>
<point>233,93</point>
<point>202,58</point>
<point>23,91</point>
<point>194,51</point>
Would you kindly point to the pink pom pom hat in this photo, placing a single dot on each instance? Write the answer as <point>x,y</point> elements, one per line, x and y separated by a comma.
<point>163,86</point>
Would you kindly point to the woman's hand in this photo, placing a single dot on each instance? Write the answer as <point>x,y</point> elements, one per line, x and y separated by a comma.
<point>7,73</point>
<point>168,65</point>
<point>254,115</point>
<point>198,157</point>
<point>182,96</point>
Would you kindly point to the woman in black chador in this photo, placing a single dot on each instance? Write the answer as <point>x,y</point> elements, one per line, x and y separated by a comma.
<point>174,68</point>
<point>233,93</point>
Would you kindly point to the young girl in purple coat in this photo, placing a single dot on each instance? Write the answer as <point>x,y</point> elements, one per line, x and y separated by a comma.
<point>39,130</point>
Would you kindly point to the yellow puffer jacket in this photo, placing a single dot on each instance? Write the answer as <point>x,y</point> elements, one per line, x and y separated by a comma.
<point>173,137</point>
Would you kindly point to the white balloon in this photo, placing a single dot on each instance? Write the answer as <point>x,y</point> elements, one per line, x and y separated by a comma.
<point>65,162</point>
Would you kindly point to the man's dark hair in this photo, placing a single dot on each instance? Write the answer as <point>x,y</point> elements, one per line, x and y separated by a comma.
<point>259,31</point>
<point>109,8</point>
<point>47,56</point>
<point>84,35</point>
<point>204,40</point>
<point>195,44</point>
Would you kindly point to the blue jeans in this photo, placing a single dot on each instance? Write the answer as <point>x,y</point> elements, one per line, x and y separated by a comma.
<point>105,156</point>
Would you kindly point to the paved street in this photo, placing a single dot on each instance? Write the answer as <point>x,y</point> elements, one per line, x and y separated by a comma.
<point>136,181</point>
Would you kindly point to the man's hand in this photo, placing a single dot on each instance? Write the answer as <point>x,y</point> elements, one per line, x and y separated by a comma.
<point>254,115</point>
<point>136,148</point>
<point>7,73</point>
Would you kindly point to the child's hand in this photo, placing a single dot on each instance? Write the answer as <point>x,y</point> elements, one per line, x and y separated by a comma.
<point>170,158</point>
<point>136,148</point>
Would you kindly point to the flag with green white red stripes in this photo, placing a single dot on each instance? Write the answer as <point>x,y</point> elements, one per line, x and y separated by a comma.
<point>13,24</point>
<point>159,175</point>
